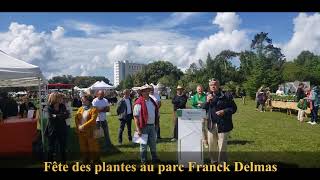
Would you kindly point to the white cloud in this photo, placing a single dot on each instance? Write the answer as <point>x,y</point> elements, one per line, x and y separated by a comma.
<point>57,33</point>
<point>306,36</point>
<point>87,28</point>
<point>23,42</point>
<point>94,54</point>
<point>177,19</point>
<point>228,38</point>
<point>228,21</point>
<point>119,52</point>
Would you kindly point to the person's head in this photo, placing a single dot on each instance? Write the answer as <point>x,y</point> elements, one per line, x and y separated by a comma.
<point>179,90</point>
<point>139,92</point>
<point>145,91</point>
<point>214,85</point>
<point>301,85</point>
<point>63,98</point>
<point>126,93</point>
<point>54,98</point>
<point>86,100</point>
<point>100,94</point>
<point>25,99</point>
<point>199,89</point>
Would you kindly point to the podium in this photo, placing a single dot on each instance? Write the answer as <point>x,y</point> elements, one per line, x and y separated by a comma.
<point>190,148</point>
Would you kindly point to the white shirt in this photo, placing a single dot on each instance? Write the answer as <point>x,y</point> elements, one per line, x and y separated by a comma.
<point>279,92</point>
<point>100,104</point>
<point>128,106</point>
<point>151,111</point>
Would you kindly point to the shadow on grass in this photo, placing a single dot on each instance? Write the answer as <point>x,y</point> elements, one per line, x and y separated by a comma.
<point>129,145</point>
<point>240,142</point>
<point>165,140</point>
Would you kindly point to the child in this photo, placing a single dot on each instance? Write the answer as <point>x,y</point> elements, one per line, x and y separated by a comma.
<point>302,105</point>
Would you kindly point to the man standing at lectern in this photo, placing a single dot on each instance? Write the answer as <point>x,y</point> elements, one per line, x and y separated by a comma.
<point>220,107</point>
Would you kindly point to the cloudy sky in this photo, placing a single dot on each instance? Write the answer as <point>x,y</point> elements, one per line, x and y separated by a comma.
<point>89,43</point>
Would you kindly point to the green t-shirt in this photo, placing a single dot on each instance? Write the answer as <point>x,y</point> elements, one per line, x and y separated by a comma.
<point>196,98</point>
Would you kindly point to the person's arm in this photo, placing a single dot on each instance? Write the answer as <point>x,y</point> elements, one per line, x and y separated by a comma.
<point>51,115</point>
<point>136,114</point>
<point>92,121</point>
<point>136,122</point>
<point>77,118</point>
<point>107,108</point>
<point>64,113</point>
<point>119,107</point>
<point>232,108</point>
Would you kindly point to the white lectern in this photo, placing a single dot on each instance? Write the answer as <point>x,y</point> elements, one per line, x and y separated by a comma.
<point>190,147</point>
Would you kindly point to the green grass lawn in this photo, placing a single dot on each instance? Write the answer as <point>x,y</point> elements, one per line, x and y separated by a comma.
<point>257,136</point>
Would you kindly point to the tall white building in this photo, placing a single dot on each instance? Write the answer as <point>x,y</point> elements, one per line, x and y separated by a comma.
<point>124,68</point>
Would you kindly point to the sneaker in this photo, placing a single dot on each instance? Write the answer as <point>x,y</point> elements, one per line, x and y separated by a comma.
<point>313,123</point>
<point>309,122</point>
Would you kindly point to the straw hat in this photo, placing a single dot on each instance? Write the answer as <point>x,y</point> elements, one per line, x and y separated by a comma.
<point>179,87</point>
<point>146,86</point>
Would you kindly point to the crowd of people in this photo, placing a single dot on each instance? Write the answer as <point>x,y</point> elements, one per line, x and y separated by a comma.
<point>143,107</point>
<point>143,110</point>
<point>306,97</point>
<point>17,106</point>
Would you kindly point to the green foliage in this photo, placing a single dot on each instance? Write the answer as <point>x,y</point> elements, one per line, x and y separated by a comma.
<point>159,71</point>
<point>305,67</point>
<point>230,86</point>
<point>284,98</point>
<point>80,81</point>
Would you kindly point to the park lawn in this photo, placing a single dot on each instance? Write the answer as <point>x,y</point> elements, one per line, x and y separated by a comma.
<point>273,137</point>
<point>257,136</point>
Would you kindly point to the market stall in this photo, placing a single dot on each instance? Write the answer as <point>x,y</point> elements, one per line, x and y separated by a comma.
<point>289,106</point>
<point>16,133</point>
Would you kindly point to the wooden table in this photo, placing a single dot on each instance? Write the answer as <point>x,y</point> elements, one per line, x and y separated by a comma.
<point>289,106</point>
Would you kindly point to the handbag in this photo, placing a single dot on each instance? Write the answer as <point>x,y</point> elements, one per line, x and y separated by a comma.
<point>98,133</point>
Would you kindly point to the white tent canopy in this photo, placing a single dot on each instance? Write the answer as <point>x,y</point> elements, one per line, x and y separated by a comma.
<point>17,73</point>
<point>101,85</point>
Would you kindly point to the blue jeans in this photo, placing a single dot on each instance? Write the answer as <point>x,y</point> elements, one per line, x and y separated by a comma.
<point>151,131</point>
<point>104,125</point>
<point>314,113</point>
